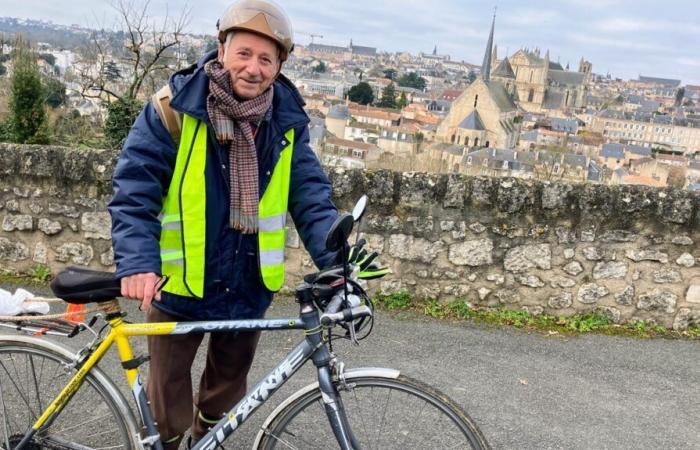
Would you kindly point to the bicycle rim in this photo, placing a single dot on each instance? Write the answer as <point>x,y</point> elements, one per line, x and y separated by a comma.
<point>30,378</point>
<point>384,413</point>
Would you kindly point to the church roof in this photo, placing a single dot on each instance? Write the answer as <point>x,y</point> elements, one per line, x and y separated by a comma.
<point>555,66</point>
<point>339,112</point>
<point>553,100</point>
<point>663,81</point>
<point>501,97</point>
<point>472,122</point>
<point>504,70</point>
<point>564,77</point>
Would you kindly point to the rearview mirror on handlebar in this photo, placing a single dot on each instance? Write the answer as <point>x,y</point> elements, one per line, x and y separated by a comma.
<point>359,210</point>
<point>339,232</point>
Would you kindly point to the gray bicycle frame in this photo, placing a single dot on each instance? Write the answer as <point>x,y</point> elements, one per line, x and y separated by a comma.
<point>312,347</point>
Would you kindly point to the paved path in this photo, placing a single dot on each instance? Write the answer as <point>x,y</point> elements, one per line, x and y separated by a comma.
<point>526,391</point>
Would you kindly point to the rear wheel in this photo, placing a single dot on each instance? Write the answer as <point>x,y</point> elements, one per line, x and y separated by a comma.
<point>384,413</point>
<point>31,376</point>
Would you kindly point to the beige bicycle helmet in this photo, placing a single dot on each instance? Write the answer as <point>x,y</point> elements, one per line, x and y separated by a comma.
<point>263,17</point>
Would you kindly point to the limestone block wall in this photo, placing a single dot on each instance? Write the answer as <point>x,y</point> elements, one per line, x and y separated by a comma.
<point>629,251</point>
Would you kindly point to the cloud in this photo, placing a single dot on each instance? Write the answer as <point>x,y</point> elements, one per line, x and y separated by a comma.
<point>633,43</point>
<point>629,24</point>
<point>689,62</point>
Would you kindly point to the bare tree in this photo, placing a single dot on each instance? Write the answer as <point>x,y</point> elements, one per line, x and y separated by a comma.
<point>117,63</point>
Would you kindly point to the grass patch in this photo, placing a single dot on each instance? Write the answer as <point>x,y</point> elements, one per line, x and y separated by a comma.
<point>593,322</point>
<point>37,277</point>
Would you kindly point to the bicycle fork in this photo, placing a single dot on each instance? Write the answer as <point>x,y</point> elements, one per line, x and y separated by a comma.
<point>332,402</point>
<point>335,411</point>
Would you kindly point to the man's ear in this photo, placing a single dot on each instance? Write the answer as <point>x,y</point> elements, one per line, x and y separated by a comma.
<point>220,53</point>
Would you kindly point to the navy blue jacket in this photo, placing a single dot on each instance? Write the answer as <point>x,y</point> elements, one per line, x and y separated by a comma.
<point>233,284</point>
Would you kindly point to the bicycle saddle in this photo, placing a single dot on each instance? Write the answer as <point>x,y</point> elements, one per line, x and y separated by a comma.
<point>80,285</point>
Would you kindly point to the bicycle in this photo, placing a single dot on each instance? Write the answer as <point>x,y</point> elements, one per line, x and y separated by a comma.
<point>368,408</point>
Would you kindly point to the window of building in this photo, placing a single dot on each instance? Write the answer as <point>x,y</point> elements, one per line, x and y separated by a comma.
<point>469,160</point>
<point>531,95</point>
<point>476,142</point>
<point>476,100</point>
<point>466,141</point>
<point>358,154</point>
<point>487,143</point>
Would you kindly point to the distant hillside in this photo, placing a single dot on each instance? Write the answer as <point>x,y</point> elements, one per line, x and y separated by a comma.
<point>35,31</point>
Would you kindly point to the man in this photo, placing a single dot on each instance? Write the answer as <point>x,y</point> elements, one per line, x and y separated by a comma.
<point>209,212</point>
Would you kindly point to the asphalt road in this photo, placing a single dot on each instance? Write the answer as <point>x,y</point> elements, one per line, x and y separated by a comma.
<point>525,391</point>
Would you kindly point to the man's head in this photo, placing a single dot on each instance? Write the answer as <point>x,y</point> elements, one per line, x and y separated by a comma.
<point>255,38</point>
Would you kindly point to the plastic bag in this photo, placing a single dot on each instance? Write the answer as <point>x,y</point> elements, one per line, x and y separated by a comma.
<point>16,304</point>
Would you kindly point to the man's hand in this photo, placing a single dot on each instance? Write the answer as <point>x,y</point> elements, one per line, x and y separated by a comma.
<point>141,286</point>
<point>368,264</point>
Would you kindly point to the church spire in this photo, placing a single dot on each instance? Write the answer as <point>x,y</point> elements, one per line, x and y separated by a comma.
<point>435,51</point>
<point>486,66</point>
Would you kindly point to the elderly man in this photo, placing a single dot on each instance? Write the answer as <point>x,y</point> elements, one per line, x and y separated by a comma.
<point>206,207</point>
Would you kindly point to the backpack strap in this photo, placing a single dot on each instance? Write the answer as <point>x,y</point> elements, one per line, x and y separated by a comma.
<point>171,119</point>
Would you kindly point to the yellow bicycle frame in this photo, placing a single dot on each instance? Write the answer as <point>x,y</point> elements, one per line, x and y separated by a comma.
<point>119,334</point>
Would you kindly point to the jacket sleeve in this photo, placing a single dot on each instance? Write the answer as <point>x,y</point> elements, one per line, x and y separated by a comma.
<point>310,202</point>
<point>141,179</point>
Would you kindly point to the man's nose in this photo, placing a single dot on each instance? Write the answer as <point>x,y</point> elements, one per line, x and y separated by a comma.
<point>253,68</point>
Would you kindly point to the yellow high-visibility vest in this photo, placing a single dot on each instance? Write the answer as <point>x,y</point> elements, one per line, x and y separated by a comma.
<point>183,219</point>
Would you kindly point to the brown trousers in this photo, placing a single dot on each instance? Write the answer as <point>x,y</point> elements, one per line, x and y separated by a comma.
<point>169,386</point>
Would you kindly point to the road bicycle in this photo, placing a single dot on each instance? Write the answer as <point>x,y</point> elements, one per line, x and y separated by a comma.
<point>55,399</point>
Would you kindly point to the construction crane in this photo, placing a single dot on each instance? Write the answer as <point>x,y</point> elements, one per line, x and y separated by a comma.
<point>312,35</point>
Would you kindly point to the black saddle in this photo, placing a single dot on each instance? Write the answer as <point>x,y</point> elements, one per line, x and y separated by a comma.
<point>79,286</point>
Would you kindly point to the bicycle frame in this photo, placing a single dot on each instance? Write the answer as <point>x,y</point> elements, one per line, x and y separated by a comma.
<point>312,347</point>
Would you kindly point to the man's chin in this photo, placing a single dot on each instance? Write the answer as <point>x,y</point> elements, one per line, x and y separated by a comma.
<point>247,90</point>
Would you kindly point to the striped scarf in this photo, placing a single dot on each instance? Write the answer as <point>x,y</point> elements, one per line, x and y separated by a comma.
<point>233,123</point>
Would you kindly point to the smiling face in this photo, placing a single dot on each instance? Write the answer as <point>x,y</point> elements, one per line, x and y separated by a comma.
<point>252,61</point>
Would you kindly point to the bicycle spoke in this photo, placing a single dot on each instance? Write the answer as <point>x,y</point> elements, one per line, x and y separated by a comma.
<point>19,391</point>
<point>362,418</point>
<point>36,383</point>
<point>4,412</point>
<point>63,430</point>
<point>409,430</point>
<point>302,440</point>
<point>282,441</point>
<point>383,421</point>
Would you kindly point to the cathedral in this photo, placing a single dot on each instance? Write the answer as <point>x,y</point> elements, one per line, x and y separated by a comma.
<point>539,84</point>
<point>484,115</point>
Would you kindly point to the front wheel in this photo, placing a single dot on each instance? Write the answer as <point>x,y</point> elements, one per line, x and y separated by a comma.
<point>383,412</point>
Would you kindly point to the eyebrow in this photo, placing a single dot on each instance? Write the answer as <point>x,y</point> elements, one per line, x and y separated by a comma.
<point>248,49</point>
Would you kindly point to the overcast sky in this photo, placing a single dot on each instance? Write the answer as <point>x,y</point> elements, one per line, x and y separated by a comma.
<point>623,37</point>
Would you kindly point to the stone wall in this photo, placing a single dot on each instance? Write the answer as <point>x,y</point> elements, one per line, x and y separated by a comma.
<point>628,251</point>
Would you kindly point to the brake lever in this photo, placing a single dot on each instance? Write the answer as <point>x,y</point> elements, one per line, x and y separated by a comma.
<point>353,335</point>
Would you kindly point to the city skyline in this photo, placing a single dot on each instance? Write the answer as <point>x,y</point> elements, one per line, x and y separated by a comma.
<point>623,38</point>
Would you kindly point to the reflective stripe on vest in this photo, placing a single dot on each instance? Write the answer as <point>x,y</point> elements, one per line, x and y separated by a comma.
<point>272,215</point>
<point>183,219</point>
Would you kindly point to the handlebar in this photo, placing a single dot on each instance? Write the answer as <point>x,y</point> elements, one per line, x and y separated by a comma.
<point>346,315</point>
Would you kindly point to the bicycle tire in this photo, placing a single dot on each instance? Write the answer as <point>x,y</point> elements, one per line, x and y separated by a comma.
<point>32,373</point>
<point>303,423</point>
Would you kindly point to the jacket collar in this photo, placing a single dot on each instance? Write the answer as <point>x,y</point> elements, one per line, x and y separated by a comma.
<point>190,88</point>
